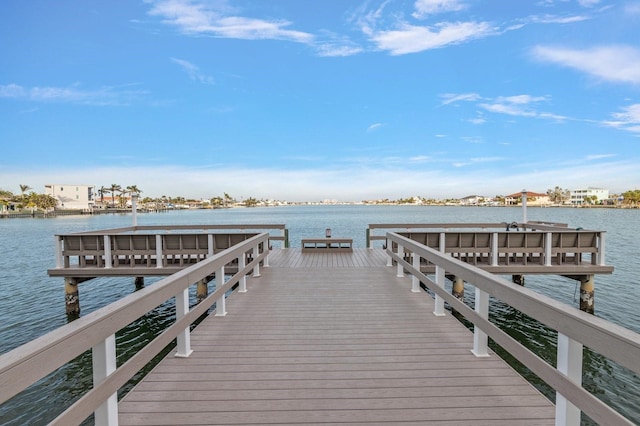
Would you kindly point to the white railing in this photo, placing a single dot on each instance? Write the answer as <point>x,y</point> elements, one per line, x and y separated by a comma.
<point>29,363</point>
<point>575,328</point>
<point>503,248</point>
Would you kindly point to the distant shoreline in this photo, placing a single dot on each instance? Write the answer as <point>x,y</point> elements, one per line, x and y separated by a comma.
<point>68,212</point>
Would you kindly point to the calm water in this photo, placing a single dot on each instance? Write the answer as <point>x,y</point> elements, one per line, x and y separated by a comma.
<point>31,303</point>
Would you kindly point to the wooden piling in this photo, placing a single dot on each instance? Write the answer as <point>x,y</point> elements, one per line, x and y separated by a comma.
<point>71,296</point>
<point>587,293</point>
<point>518,279</point>
<point>458,288</point>
<point>202,290</point>
<point>139,283</point>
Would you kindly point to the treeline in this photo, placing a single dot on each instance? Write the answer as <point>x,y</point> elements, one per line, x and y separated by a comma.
<point>24,200</point>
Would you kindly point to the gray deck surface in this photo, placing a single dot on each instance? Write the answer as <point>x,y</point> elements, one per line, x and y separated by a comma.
<point>333,338</point>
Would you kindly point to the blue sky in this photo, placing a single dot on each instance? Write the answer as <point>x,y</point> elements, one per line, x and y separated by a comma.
<point>314,100</point>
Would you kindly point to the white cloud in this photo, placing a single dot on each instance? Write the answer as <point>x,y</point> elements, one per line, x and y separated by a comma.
<point>588,3</point>
<point>517,105</point>
<point>411,39</point>
<point>193,71</point>
<point>610,63</point>
<point>430,7</point>
<point>513,105</point>
<point>335,50</point>
<point>374,127</point>
<point>554,19</point>
<point>73,94</point>
<point>450,98</point>
<point>599,156</point>
<point>628,119</point>
<point>216,19</point>
<point>520,99</point>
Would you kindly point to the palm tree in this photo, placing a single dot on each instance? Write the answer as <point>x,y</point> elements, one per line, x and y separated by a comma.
<point>113,189</point>
<point>23,189</point>
<point>227,199</point>
<point>102,191</point>
<point>133,189</point>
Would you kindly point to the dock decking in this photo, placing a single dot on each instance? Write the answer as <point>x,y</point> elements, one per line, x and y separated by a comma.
<point>333,338</point>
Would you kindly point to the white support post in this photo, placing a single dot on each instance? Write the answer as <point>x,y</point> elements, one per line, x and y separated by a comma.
<point>439,302</point>
<point>524,207</point>
<point>480,339</point>
<point>159,261</point>
<point>134,208</point>
<point>389,247</point>
<point>221,308</point>
<point>548,239</point>
<point>266,259</point>
<point>415,282</point>
<point>59,260</point>
<point>242,262</point>
<point>209,245</point>
<point>104,364</point>
<point>108,259</point>
<point>494,249</point>
<point>399,267</point>
<point>569,364</point>
<point>184,338</point>
<point>256,268</point>
<point>600,258</point>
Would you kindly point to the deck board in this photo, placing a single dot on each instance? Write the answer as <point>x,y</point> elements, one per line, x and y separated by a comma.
<point>332,338</point>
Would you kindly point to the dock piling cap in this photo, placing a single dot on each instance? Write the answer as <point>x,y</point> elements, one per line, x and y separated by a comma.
<point>327,233</point>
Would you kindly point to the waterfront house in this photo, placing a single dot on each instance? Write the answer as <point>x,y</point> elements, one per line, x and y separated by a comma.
<point>589,196</point>
<point>73,197</point>
<point>533,199</point>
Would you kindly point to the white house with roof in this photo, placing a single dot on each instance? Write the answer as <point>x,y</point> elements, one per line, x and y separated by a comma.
<point>75,197</point>
<point>471,200</point>
<point>533,199</point>
<point>584,196</point>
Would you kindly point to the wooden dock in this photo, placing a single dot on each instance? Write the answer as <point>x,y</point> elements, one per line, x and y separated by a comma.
<point>333,338</point>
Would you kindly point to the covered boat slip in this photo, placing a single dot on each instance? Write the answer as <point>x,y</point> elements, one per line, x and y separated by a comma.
<point>333,338</point>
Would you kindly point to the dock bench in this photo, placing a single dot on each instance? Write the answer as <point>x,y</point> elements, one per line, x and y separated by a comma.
<point>310,245</point>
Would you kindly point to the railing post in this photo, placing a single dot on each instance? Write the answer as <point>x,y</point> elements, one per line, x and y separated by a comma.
<point>415,282</point>
<point>266,258</point>
<point>569,364</point>
<point>439,302</point>
<point>221,308</point>
<point>104,364</point>
<point>59,261</point>
<point>548,239</point>
<point>600,257</point>
<point>256,268</point>
<point>368,238</point>
<point>285,243</point>
<point>389,245</point>
<point>108,260</point>
<point>399,267</point>
<point>480,339</point>
<point>209,245</point>
<point>159,260</point>
<point>184,338</point>
<point>494,249</point>
<point>242,262</point>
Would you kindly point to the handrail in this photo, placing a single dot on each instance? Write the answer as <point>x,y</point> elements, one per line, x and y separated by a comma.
<point>27,364</point>
<point>531,225</point>
<point>284,236</point>
<point>575,328</point>
<point>537,247</point>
